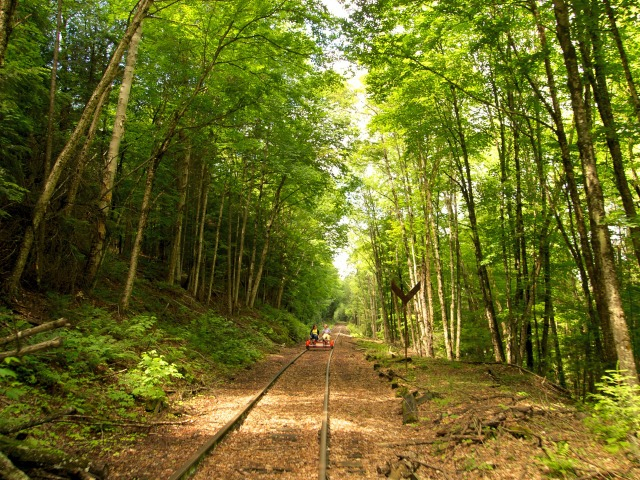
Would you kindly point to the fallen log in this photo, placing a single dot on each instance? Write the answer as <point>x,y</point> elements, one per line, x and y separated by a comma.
<point>8,471</point>
<point>49,459</point>
<point>45,327</point>
<point>400,360</point>
<point>56,342</point>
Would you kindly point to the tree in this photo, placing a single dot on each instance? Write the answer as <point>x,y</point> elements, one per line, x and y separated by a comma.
<point>11,284</point>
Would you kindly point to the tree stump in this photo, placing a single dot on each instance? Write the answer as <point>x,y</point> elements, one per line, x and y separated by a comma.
<point>409,409</point>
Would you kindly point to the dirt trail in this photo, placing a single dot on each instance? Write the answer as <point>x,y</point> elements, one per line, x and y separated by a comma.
<point>476,421</point>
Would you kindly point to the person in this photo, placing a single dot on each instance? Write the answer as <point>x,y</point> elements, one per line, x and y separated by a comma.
<point>326,333</point>
<point>314,333</point>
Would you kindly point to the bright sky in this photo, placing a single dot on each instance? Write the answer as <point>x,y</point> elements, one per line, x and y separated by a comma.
<point>341,258</point>
<point>335,8</point>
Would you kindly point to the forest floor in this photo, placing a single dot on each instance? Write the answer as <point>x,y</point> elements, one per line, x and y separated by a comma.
<point>476,421</point>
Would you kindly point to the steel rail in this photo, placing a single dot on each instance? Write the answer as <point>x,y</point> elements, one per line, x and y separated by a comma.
<point>189,467</point>
<point>324,432</point>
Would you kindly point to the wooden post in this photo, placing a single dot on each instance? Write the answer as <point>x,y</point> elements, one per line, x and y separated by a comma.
<point>405,299</point>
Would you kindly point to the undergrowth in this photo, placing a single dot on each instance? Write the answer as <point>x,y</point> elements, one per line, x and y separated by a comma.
<point>615,416</point>
<point>111,367</point>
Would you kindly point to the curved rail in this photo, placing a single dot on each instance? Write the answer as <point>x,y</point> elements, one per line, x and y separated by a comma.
<point>189,467</point>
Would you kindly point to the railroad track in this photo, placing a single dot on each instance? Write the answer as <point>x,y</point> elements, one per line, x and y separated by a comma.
<point>279,435</point>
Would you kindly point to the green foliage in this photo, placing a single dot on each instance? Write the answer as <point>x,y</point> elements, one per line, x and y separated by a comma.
<point>86,351</point>
<point>100,339</point>
<point>358,331</point>
<point>470,464</point>
<point>283,327</point>
<point>9,191</point>
<point>148,379</point>
<point>10,386</point>
<point>224,341</point>
<point>616,413</point>
<point>559,463</point>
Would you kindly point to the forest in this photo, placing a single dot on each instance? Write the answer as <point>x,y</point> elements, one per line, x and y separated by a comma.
<point>196,166</point>
<point>500,174</point>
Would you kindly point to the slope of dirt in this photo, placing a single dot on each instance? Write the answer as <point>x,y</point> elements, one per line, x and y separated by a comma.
<point>494,421</point>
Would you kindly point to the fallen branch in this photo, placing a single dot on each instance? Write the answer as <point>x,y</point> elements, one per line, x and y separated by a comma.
<point>544,380</point>
<point>6,430</point>
<point>523,433</point>
<point>448,438</point>
<point>45,327</point>
<point>426,465</point>
<point>412,443</point>
<point>56,342</point>
<point>461,438</point>
<point>87,420</point>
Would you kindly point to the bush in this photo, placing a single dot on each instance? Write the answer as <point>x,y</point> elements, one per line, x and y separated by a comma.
<point>616,413</point>
<point>148,379</point>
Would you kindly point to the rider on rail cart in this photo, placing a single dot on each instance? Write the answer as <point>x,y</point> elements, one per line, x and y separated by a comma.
<point>314,333</point>
<point>314,340</point>
<point>326,333</point>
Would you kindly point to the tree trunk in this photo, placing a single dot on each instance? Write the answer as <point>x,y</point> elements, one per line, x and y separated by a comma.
<point>522,292</point>
<point>506,221</point>
<point>230,256</point>
<point>265,248</point>
<point>83,157</point>
<point>556,342</point>
<point>595,199</point>
<point>145,208</point>
<point>200,237</point>
<point>483,275</point>
<point>589,264</point>
<point>633,92</point>
<point>111,163</point>
<point>12,282</point>
<point>378,268</point>
<point>373,307</point>
<point>440,279</point>
<point>7,10</point>
<point>254,247</point>
<point>597,77</point>
<point>240,242</point>
<point>216,243</point>
<point>204,198</point>
<point>543,365</point>
<point>453,272</point>
<point>425,292</point>
<point>49,142</point>
<point>52,93</point>
<point>176,245</point>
